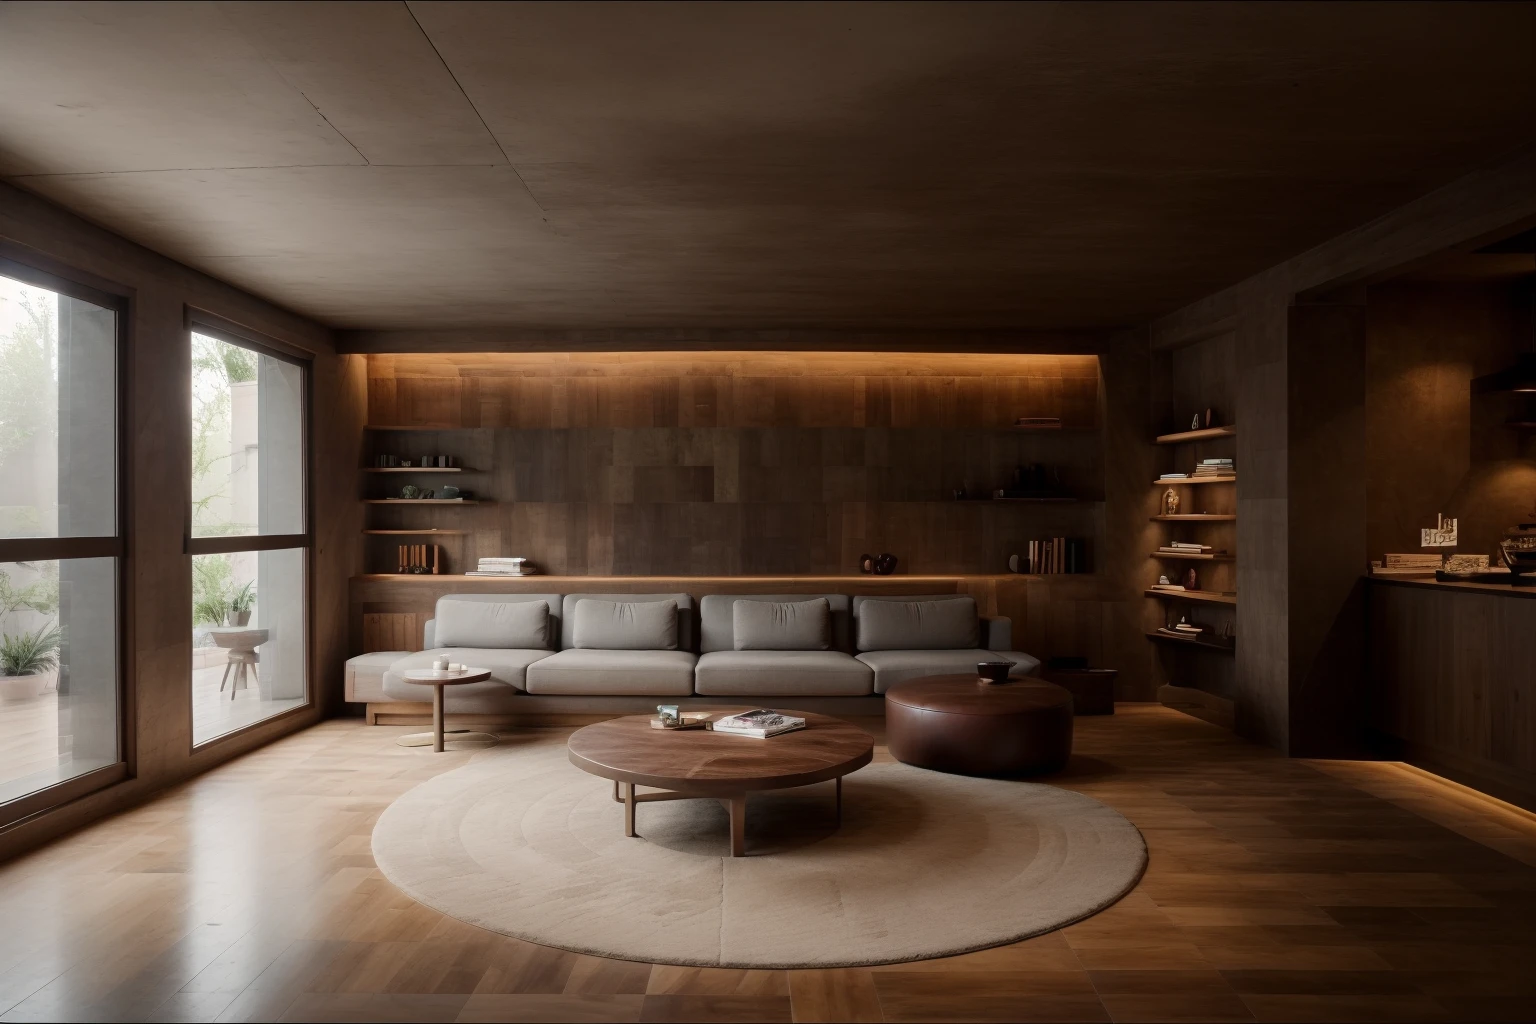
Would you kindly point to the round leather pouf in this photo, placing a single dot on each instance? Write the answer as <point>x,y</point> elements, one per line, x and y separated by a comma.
<point>967,726</point>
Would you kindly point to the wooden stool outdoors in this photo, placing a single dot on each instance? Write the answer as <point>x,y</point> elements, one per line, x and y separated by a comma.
<point>241,643</point>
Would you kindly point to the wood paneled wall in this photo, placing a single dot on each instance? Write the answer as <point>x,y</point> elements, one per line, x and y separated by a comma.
<point>730,463</point>
<point>1276,653</point>
<point>157,477</point>
<point>1432,446</point>
<point>1453,682</point>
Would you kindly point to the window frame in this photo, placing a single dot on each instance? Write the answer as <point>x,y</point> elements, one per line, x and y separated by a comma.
<point>47,549</point>
<point>213,326</point>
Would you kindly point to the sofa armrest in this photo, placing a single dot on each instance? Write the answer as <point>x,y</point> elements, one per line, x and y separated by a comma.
<point>997,633</point>
<point>429,635</point>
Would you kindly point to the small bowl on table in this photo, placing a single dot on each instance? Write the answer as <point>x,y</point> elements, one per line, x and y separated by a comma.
<point>994,671</point>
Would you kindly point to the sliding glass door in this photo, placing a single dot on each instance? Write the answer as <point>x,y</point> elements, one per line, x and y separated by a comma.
<point>60,542</point>
<point>249,537</point>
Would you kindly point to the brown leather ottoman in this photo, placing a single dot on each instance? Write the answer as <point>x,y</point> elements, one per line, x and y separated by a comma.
<point>962,725</point>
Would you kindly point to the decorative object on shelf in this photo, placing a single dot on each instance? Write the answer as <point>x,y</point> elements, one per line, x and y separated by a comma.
<point>448,493</point>
<point>410,492</point>
<point>1518,547</point>
<point>1406,565</point>
<point>1191,580</point>
<point>1038,422</point>
<point>1194,424</point>
<point>1465,563</point>
<point>885,564</point>
<point>1443,535</point>
<point>994,671</point>
<point>867,564</point>
<point>1170,502</point>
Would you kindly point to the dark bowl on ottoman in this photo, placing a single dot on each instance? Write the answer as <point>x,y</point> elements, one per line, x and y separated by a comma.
<point>994,671</point>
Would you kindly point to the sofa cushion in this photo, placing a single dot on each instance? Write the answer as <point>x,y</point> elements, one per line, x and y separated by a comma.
<point>550,601</point>
<point>687,631</point>
<point>594,672</point>
<point>717,622</point>
<point>928,625</point>
<point>509,668</point>
<point>782,625</point>
<point>782,674</point>
<point>522,625</point>
<point>892,667</point>
<point>625,625</point>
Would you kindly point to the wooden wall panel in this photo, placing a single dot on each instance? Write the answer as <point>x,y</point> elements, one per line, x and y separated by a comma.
<point>1453,682</point>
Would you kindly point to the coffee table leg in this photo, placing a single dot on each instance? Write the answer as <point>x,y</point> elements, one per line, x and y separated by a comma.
<point>629,809</point>
<point>437,719</point>
<point>739,825</point>
<point>839,799</point>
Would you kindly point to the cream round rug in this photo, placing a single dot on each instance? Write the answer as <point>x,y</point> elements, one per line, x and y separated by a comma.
<point>522,842</point>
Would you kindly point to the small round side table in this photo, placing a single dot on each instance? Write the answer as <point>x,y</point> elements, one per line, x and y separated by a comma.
<point>437,680</point>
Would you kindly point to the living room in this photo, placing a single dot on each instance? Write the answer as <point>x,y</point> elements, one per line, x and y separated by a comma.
<point>738,512</point>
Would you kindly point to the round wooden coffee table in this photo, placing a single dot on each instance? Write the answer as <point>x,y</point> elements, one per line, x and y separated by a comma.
<point>968,726</point>
<point>437,680</point>
<point>690,764</point>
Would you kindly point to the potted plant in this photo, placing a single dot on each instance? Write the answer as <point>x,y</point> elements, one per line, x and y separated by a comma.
<point>29,662</point>
<point>241,604</point>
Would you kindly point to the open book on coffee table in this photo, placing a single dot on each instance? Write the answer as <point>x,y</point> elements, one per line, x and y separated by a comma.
<point>761,723</point>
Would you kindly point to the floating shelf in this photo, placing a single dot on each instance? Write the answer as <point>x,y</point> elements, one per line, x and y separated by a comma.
<point>1208,434</point>
<point>1196,517</point>
<point>1197,480</point>
<point>1193,557</point>
<point>425,501</point>
<point>440,430</point>
<point>1200,644</point>
<point>416,469</point>
<point>1195,596</point>
<point>417,533</point>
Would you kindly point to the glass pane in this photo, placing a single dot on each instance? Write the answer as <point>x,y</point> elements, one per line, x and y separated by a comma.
<point>58,414</point>
<point>58,671</point>
<point>247,441</point>
<point>248,644</point>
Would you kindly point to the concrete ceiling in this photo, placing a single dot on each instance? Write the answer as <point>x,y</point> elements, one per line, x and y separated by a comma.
<point>859,166</point>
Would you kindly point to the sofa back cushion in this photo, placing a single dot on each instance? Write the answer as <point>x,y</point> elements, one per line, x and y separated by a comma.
<point>522,622</point>
<point>717,619</point>
<point>928,624</point>
<point>782,625</point>
<point>624,625</point>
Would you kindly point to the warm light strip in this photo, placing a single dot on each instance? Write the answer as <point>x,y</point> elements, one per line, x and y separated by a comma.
<point>1475,795</point>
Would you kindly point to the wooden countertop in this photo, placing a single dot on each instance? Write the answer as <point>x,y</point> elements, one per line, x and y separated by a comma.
<point>1430,583</point>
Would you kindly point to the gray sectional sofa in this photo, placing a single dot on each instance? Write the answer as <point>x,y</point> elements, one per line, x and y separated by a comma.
<point>797,648</point>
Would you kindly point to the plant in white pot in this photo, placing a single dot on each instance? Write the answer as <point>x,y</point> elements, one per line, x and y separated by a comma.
<point>29,662</point>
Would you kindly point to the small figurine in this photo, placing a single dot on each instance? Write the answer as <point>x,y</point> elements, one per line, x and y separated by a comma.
<point>1191,580</point>
<point>1170,502</point>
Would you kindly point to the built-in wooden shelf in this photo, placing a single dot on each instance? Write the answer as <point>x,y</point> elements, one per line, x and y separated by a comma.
<point>416,469</point>
<point>1195,517</point>
<point>440,430</point>
<point>425,501</point>
<point>1195,596</point>
<point>1197,480</point>
<point>1208,434</point>
<point>1193,557</point>
<point>417,533</point>
<point>1520,424</point>
<point>1199,644</point>
<point>1035,501</point>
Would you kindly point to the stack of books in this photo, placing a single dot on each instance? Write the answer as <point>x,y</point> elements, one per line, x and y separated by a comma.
<point>1167,586</point>
<point>1406,565</point>
<point>1179,547</point>
<point>1215,467</point>
<point>762,723</point>
<point>504,567</point>
<point>1173,476</point>
<point>1056,555</point>
<point>419,558</point>
<point>1183,631</point>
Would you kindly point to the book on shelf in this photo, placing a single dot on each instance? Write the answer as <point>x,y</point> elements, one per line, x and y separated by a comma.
<point>1174,476</point>
<point>503,567</point>
<point>1187,635</point>
<point>424,559</point>
<point>1168,586</point>
<point>1039,422</point>
<point>1430,561</point>
<point>1056,555</point>
<point>761,723</point>
<point>1184,545</point>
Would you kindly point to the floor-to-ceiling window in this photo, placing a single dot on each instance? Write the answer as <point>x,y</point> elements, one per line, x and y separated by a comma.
<point>60,541</point>
<point>250,535</point>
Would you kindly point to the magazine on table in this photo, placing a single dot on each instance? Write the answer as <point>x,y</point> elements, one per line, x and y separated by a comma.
<point>762,723</point>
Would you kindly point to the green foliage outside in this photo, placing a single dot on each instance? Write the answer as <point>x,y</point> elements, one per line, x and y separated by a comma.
<point>30,654</point>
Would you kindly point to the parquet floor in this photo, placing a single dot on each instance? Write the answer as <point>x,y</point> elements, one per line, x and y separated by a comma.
<point>1277,890</point>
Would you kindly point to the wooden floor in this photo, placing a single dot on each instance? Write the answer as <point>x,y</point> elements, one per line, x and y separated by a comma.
<point>1277,890</point>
